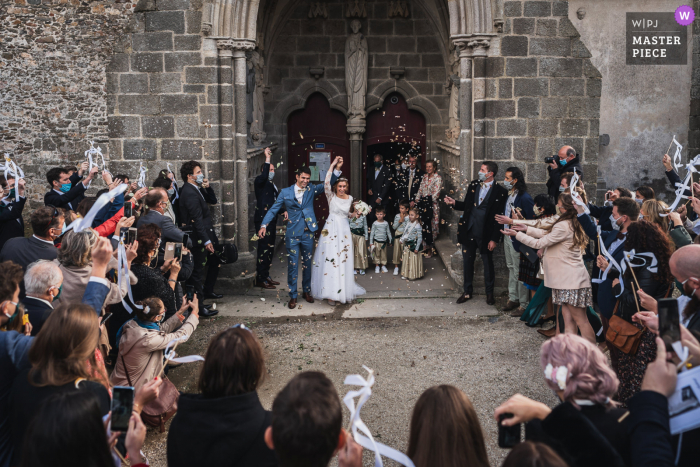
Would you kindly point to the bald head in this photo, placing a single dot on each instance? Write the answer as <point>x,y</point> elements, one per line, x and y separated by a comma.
<point>685,262</point>
<point>566,153</point>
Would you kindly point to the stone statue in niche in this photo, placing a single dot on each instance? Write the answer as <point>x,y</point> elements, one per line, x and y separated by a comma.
<point>255,87</point>
<point>356,64</point>
<point>452,87</point>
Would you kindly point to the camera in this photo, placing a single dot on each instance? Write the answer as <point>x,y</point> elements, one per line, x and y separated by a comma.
<point>550,159</point>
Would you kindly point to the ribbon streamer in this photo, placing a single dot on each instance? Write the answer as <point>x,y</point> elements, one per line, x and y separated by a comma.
<point>142,175</point>
<point>96,151</point>
<point>677,155</point>
<point>12,170</point>
<point>574,194</point>
<point>81,224</point>
<point>123,275</point>
<point>687,181</point>
<point>356,423</point>
<point>177,192</point>
<point>170,353</point>
<point>611,263</point>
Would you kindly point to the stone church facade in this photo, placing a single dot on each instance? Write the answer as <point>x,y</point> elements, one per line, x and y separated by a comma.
<point>161,81</point>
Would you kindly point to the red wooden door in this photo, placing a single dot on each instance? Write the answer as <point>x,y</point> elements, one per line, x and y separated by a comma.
<point>311,132</point>
<point>393,131</point>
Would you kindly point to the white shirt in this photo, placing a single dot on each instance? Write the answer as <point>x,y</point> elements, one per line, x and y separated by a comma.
<point>376,172</point>
<point>511,200</point>
<point>484,190</point>
<point>41,300</point>
<point>616,244</point>
<point>299,193</point>
<point>42,240</point>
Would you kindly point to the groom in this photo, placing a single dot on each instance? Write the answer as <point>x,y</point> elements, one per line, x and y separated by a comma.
<point>298,199</point>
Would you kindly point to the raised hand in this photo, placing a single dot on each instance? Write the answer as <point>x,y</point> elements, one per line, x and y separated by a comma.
<point>451,202</point>
<point>666,161</point>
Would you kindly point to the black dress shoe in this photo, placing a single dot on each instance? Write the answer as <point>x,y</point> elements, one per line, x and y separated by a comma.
<point>464,298</point>
<point>264,284</point>
<point>207,312</point>
<point>212,295</point>
<point>269,279</point>
<point>490,300</point>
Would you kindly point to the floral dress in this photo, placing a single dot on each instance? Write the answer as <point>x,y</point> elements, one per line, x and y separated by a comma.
<point>431,187</point>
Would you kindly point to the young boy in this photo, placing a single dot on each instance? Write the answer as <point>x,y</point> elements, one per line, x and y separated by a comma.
<point>400,222</point>
<point>306,428</point>
<point>358,229</point>
<point>379,238</point>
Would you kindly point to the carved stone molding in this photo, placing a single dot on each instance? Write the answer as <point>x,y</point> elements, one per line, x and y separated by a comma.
<point>316,71</point>
<point>235,44</point>
<point>398,9</point>
<point>356,128</point>
<point>397,72</point>
<point>472,45</point>
<point>318,9</point>
<point>498,25</point>
<point>356,9</point>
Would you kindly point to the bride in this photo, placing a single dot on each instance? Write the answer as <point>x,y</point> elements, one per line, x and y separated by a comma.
<point>332,273</point>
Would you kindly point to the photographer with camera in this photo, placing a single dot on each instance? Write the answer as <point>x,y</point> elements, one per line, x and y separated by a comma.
<point>565,161</point>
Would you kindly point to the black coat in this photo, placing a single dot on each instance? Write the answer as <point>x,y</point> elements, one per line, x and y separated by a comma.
<point>11,222</point>
<point>496,205</point>
<point>401,184</point>
<point>194,212</point>
<point>380,186</point>
<point>649,283</point>
<point>590,437</point>
<point>37,311</point>
<point>555,175</point>
<point>69,200</point>
<point>224,431</point>
<point>265,195</point>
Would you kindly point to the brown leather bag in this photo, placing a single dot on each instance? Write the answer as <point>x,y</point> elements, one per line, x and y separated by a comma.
<point>159,411</point>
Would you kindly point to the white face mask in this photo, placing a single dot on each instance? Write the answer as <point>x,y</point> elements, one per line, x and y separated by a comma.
<point>614,223</point>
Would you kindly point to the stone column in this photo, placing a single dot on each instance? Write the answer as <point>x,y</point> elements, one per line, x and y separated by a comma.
<point>226,153</point>
<point>356,128</point>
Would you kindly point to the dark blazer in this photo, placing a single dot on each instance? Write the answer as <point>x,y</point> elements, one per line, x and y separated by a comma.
<point>647,282</point>
<point>194,212</point>
<point>169,231</point>
<point>590,437</point>
<point>69,200</point>
<point>602,213</point>
<point>380,186</point>
<point>26,250</point>
<point>95,295</point>
<point>220,431</point>
<point>525,202</point>
<point>401,183</point>
<point>14,348</point>
<point>555,175</point>
<point>265,195</point>
<point>496,205</point>
<point>648,427</point>
<point>11,222</point>
<point>38,312</point>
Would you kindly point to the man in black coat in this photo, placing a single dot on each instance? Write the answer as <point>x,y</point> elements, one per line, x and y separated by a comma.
<point>11,222</point>
<point>43,281</point>
<point>67,191</point>
<point>568,162</point>
<point>265,196</point>
<point>409,182</point>
<point>378,185</point>
<point>195,197</point>
<point>478,228</point>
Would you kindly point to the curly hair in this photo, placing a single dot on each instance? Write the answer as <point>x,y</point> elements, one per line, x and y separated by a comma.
<point>570,214</point>
<point>589,376</point>
<point>644,236</point>
<point>76,248</point>
<point>148,236</point>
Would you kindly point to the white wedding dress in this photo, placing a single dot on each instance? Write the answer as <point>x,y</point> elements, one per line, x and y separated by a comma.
<point>332,272</point>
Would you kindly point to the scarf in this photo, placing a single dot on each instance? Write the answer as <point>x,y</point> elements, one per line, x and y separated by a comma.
<point>147,325</point>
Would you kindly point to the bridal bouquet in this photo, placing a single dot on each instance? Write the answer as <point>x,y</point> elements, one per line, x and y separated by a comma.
<point>362,208</point>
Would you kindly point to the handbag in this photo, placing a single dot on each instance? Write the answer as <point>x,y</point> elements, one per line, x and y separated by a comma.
<point>227,253</point>
<point>529,253</point>
<point>158,411</point>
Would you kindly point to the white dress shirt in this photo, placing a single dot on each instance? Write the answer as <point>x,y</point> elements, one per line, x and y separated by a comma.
<point>299,193</point>
<point>484,190</point>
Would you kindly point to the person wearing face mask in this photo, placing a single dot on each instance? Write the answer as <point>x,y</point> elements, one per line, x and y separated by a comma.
<point>158,202</point>
<point>602,213</point>
<point>266,193</point>
<point>67,191</point>
<point>565,161</point>
<point>478,227</point>
<point>11,222</point>
<point>408,184</point>
<point>142,340</point>
<point>195,197</point>
<point>378,185</point>
<point>47,223</point>
<point>169,210</point>
<point>44,284</point>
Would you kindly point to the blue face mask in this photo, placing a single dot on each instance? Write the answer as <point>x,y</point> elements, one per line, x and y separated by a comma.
<point>200,179</point>
<point>562,189</point>
<point>482,176</point>
<point>562,161</point>
<point>270,176</point>
<point>65,188</point>
<point>171,191</point>
<point>508,184</point>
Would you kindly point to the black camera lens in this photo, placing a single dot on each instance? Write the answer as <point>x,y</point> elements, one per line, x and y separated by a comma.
<point>550,159</point>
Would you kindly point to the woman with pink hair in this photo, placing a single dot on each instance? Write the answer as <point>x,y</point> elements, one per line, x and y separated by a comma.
<point>585,429</point>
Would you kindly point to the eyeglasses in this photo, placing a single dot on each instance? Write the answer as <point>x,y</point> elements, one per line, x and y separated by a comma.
<point>240,326</point>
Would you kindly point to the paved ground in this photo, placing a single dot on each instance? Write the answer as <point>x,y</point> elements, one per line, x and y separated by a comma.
<point>489,358</point>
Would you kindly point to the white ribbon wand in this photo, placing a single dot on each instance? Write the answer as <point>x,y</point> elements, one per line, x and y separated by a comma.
<point>177,192</point>
<point>677,155</point>
<point>123,274</point>
<point>611,263</point>
<point>169,354</point>
<point>13,170</point>
<point>142,175</point>
<point>356,423</point>
<point>97,151</point>
<point>681,187</point>
<point>81,224</point>
<point>574,194</point>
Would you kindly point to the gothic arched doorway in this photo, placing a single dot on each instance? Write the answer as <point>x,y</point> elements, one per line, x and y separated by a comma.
<point>315,135</point>
<point>394,131</point>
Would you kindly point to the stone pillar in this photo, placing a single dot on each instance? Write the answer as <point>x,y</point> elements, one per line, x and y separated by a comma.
<point>356,128</point>
<point>226,153</point>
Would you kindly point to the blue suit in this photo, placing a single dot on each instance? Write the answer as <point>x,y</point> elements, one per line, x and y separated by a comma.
<point>300,232</point>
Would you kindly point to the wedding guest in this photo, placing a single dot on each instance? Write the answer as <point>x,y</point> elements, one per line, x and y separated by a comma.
<point>169,210</point>
<point>445,430</point>
<point>265,196</point>
<point>399,226</point>
<point>532,454</point>
<point>651,211</point>
<point>410,180</point>
<point>378,186</point>
<point>602,213</point>
<point>67,191</point>
<point>428,202</point>
<point>226,420</point>
<point>644,193</point>
<point>360,236</point>
<point>11,221</point>
<point>411,240</point>
<point>379,240</point>
<point>566,161</point>
<point>44,284</point>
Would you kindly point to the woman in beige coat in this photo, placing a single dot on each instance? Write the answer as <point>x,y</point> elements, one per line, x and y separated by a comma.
<point>564,270</point>
<point>142,341</point>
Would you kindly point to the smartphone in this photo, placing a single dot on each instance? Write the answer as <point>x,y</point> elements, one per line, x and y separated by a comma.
<point>128,210</point>
<point>178,251</point>
<point>105,318</point>
<point>185,239</point>
<point>130,236</point>
<point>189,290</point>
<point>122,405</point>
<point>669,322</point>
<point>173,251</point>
<point>508,436</point>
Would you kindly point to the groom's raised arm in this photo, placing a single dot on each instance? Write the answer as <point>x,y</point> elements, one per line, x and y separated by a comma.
<point>273,211</point>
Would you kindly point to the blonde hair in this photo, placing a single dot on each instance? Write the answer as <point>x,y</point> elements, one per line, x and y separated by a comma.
<point>653,210</point>
<point>76,248</point>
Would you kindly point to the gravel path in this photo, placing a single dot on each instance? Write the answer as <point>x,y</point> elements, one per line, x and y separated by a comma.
<point>488,358</point>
